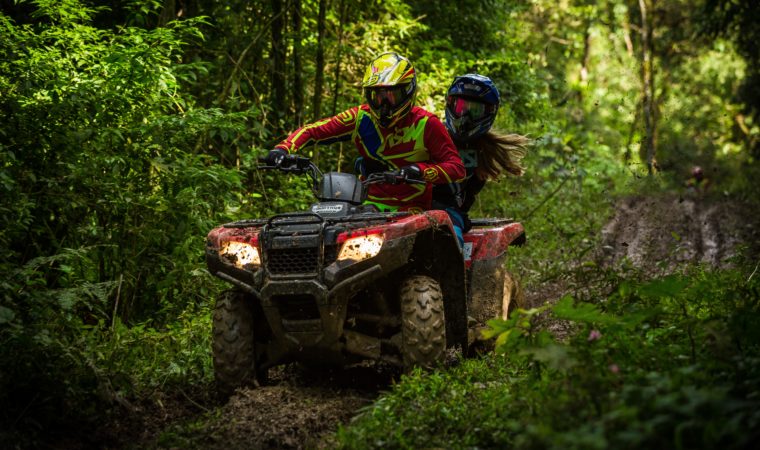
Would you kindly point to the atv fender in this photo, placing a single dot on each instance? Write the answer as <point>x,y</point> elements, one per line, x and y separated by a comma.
<point>487,251</point>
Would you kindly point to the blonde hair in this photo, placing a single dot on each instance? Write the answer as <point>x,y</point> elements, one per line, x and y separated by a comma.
<point>499,153</point>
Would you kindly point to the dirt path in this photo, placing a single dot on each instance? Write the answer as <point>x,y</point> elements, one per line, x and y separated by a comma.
<point>657,233</point>
<point>301,407</point>
<point>298,408</point>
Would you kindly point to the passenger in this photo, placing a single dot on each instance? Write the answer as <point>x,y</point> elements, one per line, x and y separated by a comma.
<point>697,183</point>
<point>472,102</point>
<point>390,133</point>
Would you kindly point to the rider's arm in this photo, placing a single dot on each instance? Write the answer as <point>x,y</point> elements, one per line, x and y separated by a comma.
<point>445,165</point>
<point>325,131</point>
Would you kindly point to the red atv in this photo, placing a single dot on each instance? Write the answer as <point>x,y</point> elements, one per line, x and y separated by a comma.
<point>343,282</point>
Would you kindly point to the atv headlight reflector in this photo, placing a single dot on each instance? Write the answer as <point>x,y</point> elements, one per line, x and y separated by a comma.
<point>361,247</point>
<point>240,254</point>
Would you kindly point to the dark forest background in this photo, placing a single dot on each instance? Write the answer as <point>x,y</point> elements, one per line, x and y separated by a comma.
<point>128,129</point>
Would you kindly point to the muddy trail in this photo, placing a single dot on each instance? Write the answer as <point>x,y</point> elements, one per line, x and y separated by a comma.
<point>302,407</point>
<point>657,234</point>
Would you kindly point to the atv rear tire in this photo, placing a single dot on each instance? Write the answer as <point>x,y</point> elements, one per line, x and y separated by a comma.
<point>423,333</point>
<point>234,347</point>
<point>512,296</point>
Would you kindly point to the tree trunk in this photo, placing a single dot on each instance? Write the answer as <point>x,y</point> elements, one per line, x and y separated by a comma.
<point>627,37</point>
<point>319,80</point>
<point>343,14</point>
<point>586,53</point>
<point>647,81</point>
<point>278,64</point>
<point>631,133</point>
<point>583,72</point>
<point>168,13</point>
<point>297,65</point>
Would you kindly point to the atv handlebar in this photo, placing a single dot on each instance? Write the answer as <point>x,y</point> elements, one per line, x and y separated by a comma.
<point>298,165</point>
<point>391,177</point>
<point>293,163</point>
<point>301,164</point>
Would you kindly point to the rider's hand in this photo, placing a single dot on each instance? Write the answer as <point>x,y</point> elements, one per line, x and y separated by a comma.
<point>276,157</point>
<point>411,172</point>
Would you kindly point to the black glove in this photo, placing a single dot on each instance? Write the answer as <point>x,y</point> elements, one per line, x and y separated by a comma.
<point>411,172</point>
<point>275,157</point>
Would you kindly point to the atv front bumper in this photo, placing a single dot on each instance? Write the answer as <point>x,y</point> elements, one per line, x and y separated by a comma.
<point>306,314</point>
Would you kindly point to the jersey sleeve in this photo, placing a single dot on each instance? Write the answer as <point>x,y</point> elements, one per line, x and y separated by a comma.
<point>445,165</point>
<point>326,131</point>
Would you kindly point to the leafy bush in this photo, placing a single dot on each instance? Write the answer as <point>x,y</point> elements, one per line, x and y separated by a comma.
<point>106,200</point>
<point>671,363</point>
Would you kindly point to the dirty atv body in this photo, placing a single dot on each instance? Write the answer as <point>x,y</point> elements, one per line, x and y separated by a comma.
<point>342,282</point>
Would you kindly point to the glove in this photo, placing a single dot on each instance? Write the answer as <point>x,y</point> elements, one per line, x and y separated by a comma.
<point>411,172</point>
<point>275,157</point>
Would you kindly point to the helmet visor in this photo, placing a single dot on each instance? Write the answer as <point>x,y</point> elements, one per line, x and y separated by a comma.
<point>392,96</point>
<point>461,106</point>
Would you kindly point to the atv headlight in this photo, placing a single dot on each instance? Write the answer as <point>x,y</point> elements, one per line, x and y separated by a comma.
<point>240,254</point>
<point>361,247</point>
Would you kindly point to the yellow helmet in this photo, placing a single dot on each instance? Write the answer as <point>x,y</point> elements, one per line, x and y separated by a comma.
<point>390,83</point>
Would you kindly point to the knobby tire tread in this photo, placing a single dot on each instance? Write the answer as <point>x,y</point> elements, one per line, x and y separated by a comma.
<point>233,342</point>
<point>423,322</point>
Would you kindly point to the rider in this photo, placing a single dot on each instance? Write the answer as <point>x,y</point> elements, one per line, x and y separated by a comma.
<point>697,181</point>
<point>390,133</point>
<point>472,102</point>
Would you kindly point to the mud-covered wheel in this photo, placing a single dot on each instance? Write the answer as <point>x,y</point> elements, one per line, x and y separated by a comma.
<point>233,342</point>
<point>423,332</point>
<point>512,296</point>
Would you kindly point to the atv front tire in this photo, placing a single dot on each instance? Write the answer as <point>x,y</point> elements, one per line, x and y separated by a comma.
<point>234,347</point>
<point>423,332</point>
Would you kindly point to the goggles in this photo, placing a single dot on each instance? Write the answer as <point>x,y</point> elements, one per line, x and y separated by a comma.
<point>461,106</point>
<point>392,96</point>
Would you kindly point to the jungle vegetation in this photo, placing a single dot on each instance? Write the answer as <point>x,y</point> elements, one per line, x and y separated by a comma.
<point>129,128</point>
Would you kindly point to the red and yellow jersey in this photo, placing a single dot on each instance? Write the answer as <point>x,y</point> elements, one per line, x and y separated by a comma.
<point>418,138</point>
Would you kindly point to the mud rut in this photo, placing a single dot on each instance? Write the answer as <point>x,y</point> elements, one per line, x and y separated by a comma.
<point>301,408</point>
<point>657,233</point>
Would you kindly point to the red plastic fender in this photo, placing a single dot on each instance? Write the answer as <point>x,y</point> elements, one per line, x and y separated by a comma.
<point>489,243</point>
<point>222,234</point>
<point>403,226</point>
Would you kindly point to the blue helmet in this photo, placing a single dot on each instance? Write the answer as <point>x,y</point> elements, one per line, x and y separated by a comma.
<point>472,102</point>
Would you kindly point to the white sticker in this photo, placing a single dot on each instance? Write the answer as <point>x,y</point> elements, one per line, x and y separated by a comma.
<point>329,209</point>
<point>469,158</point>
<point>467,250</point>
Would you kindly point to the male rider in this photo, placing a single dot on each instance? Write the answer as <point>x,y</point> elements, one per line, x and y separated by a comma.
<point>390,133</point>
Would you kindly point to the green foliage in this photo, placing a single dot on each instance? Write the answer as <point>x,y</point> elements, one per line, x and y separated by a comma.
<point>669,363</point>
<point>64,351</point>
<point>106,201</point>
<point>129,131</point>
